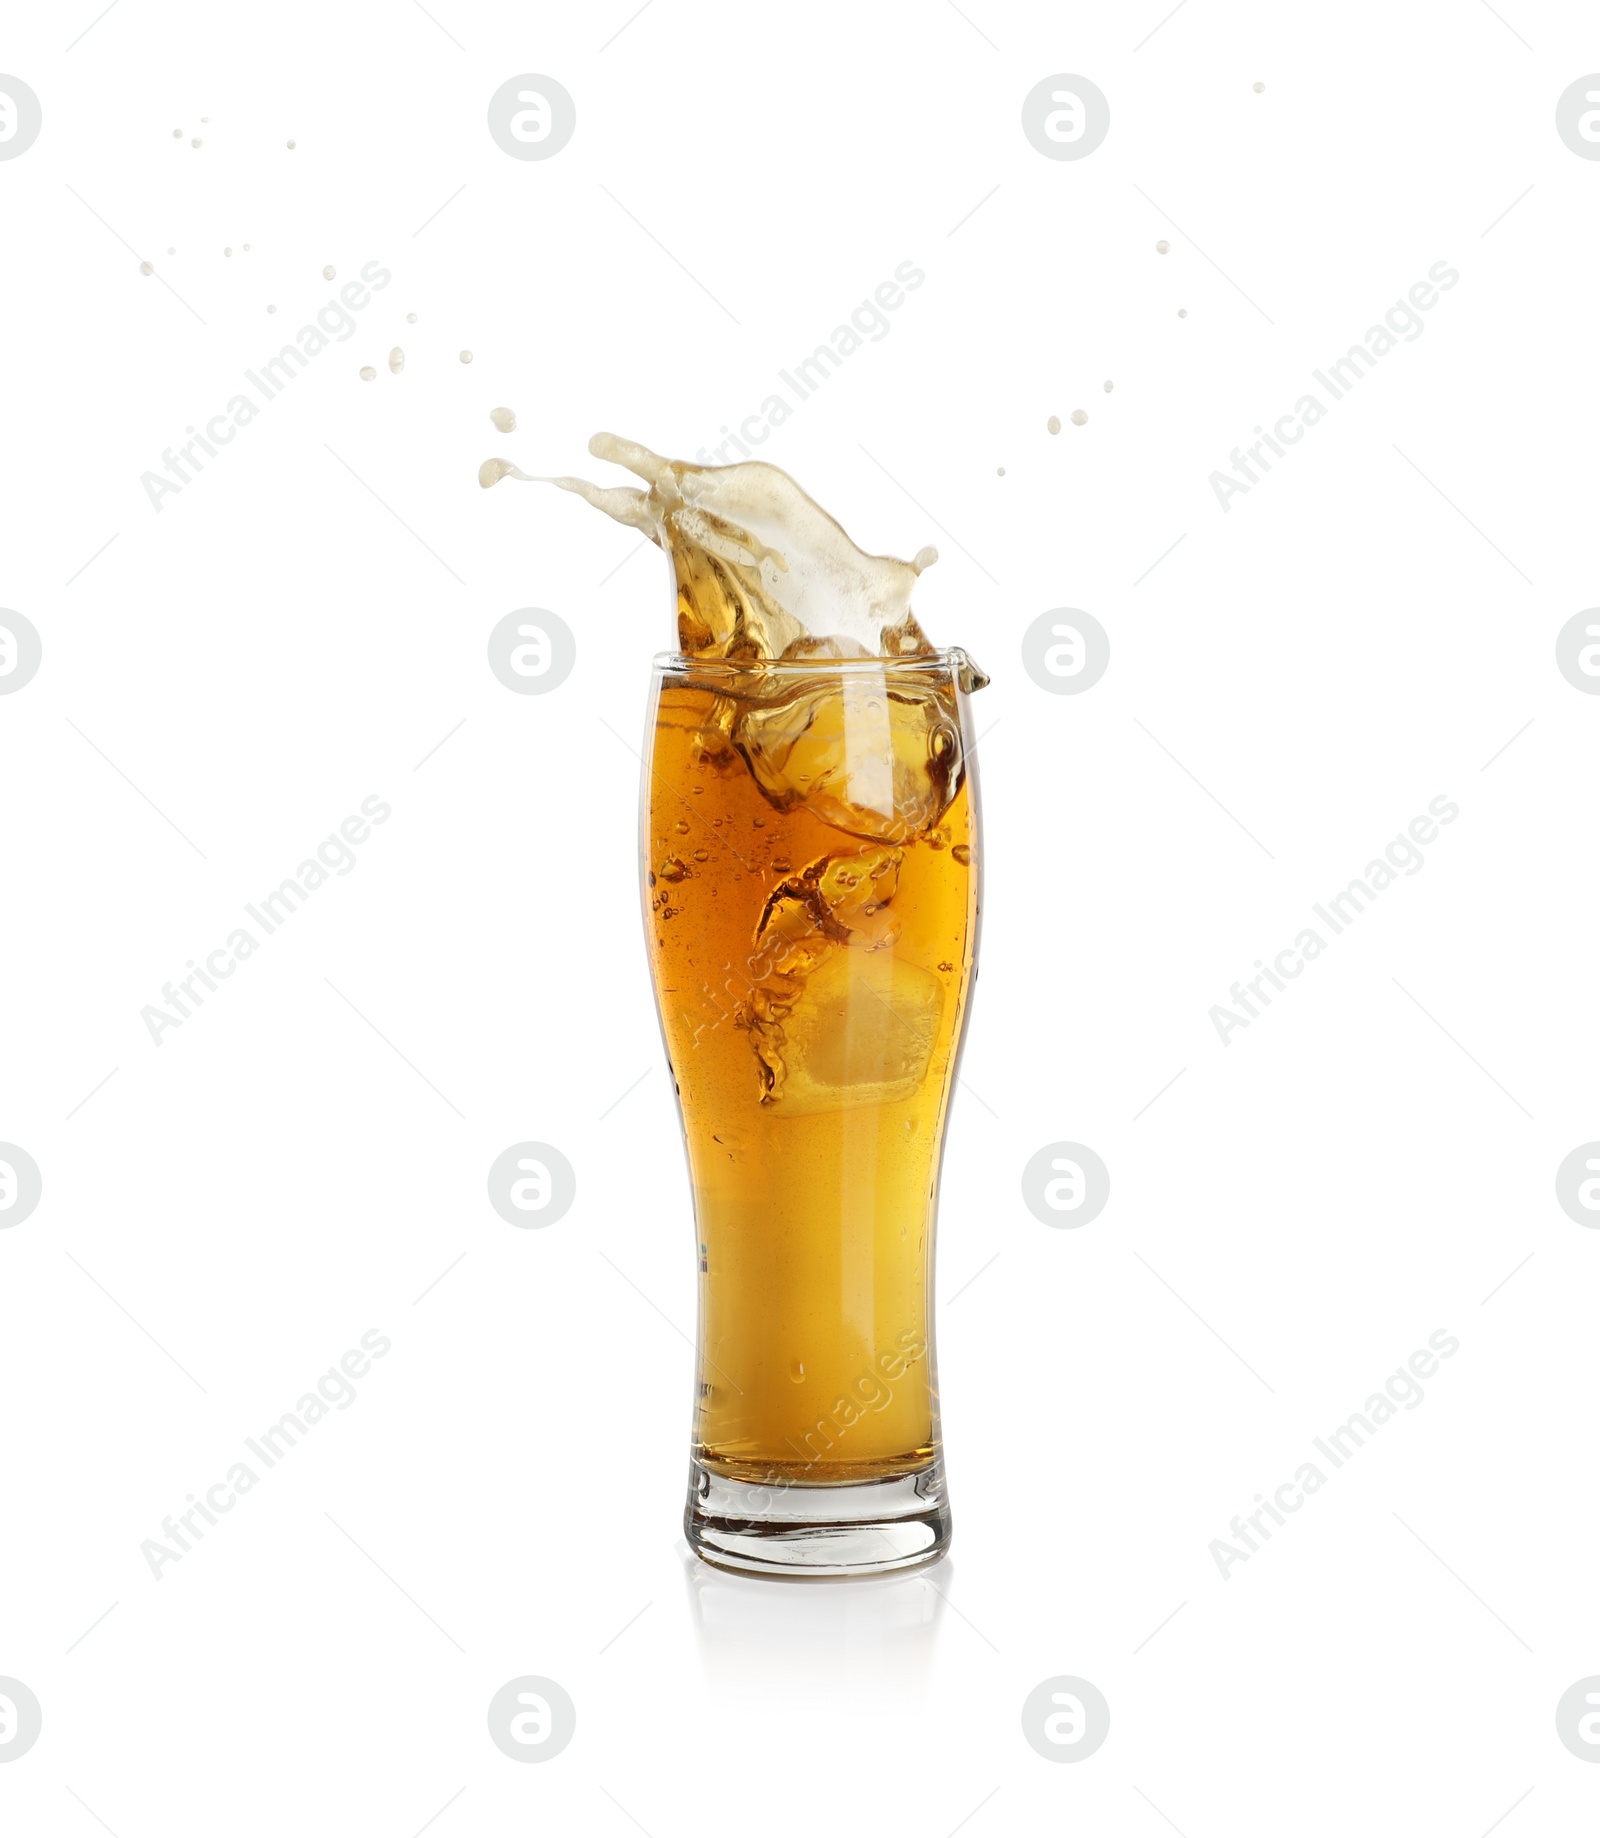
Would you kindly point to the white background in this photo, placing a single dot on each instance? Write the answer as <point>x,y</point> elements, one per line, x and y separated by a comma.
<point>304,624</point>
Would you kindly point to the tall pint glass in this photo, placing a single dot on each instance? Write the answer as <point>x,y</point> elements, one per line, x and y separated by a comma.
<point>811,869</point>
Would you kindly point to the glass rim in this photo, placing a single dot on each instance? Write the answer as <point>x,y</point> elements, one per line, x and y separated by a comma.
<point>951,657</point>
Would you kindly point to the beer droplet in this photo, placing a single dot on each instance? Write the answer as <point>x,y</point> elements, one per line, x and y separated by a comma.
<point>177,133</point>
<point>227,252</point>
<point>797,1371</point>
<point>197,143</point>
<point>961,853</point>
<point>174,251</point>
<point>1079,417</point>
<point>672,869</point>
<point>367,373</point>
<point>702,855</point>
<point>492,471</point>
<point>327,273</point>
<point>504,419</point>
<point>999,472</point>
<point>1108,386</point>
<point>145,268</point>
<point>681,827</point>
<point>781,864</point>
<point>272,309</point>
<point>1258,87</point>
<point>205,120</point>
<point>411,319</point>
<point>291,146</point>
<point>1163,246</point>
<point>466,357</point>
<point>1053,425</point>
<point>397,360</point>
<point>1183,312</point>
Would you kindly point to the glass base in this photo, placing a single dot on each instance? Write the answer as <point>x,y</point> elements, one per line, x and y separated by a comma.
<point>812,1530</point>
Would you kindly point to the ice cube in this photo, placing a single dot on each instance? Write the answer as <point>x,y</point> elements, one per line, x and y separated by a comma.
<point>868,759</point>
<point>861,1032</point>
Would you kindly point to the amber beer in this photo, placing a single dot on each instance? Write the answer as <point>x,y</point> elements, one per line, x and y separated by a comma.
<point>810,857</point>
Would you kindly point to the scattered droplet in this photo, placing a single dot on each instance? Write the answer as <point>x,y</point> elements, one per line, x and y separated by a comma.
<point>1163,246</point>
<point>397,360</point>
<point>961,853</point>
<point>504,419</point>
<point>702,855</point>
<point>291,146</point>
<point>492,471</point>
<point>797,1371</point>
<point>247,248</point>
<point>681,827</point>
<point>1108,386</point>
<point>227,252</point>
<point>197,143</point>
<point>1258,87</point>
<point>1183,312</point>
<point>1000,472</point>
<point>411,319</point>
<point>466,357</point>
<point>672,869</point>
<point>146,268</point>
<point>177,133</point>
<point>272,309</point>
<point>1079,417</point>
<point>174,251</point>
<point>367,373</point>
<point>327,273</point>
<point>1053,425</point>
<point>924,558</point>
<point>205,120</point>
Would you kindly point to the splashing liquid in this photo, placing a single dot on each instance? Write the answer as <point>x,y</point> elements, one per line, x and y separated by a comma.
<point>762,571</point>
<point>815,745</point>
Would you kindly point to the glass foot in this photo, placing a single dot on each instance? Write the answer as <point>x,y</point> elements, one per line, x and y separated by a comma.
<point>801,1529</point>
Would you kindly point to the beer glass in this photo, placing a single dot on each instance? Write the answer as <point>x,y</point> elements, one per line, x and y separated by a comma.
<point>810,857</point>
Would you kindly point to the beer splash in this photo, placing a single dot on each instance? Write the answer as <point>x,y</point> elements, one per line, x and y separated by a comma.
<point>763,573</point>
